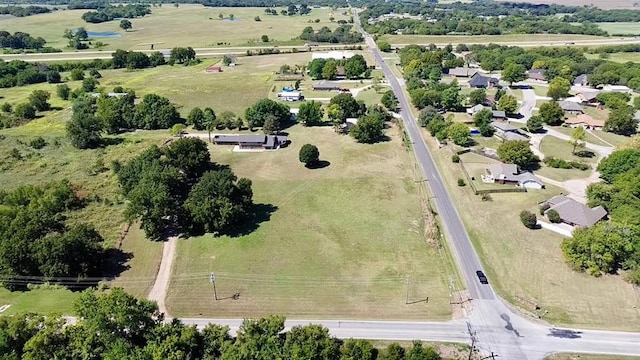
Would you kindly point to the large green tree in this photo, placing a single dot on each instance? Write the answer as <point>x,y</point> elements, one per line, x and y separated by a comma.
<point>482,120</point>
<point>389,100</point>
<point>617,163</point>
<point>552,113</point>
<point>356,67</point>
<point>517,152</point>
<point>309,155</point>
<point>513,73</point>
<point>349,106</point>
<point>622,120</point>
<point>190,155</point>
<point>116,112</point>
<point>459,133</point>
<point>478,97</point>
<point>39,100</point>
<point>559,88</point>
<point>219,200</point>
<point>155,112</point>
<point>310,342</point>
<point>196,119</point>
<point>369,129</point>
<point>258,113</point>
<point>508,104</point>
<point>535,123</point>
<point>84,130</point>
<point>310,113</point>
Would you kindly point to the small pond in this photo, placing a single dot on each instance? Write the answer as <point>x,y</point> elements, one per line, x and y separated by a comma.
<point>106,34</point>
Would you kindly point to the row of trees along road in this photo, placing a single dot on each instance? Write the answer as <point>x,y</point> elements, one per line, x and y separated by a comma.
<point>354,68</point>
<point>178,187</point>
<point>115,325</point>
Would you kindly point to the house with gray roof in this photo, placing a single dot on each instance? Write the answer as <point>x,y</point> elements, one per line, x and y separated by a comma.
<point>574,213</point>
<point>581,80</point>
<point>571,107</point>
<point>508,174</point>
<point>537,74</point>
<point>266,142</point>
<point>482,82</point>
<point>508,132</point>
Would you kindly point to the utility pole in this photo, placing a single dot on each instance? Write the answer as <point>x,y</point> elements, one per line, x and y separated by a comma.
<point>492,356</point>
<point>406,281</point>
<point>212,278</point>
<point>472,333</point>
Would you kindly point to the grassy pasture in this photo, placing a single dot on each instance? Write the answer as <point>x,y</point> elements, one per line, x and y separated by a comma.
<point>188,25</point>
<point>341,242</point>
<point>529,263</point>
<point>620,27</point>
<point>484,39</point>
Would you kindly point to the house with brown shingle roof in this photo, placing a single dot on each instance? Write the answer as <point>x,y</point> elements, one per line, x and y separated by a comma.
<point>574,213</point>
<point>585,121</point>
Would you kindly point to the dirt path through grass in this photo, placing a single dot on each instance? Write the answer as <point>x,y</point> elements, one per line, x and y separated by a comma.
<point>159,291</point>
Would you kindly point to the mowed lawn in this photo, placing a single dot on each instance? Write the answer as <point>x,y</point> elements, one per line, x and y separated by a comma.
<point>529,263</point>
<point>340,242</point>
<point>188,25</point>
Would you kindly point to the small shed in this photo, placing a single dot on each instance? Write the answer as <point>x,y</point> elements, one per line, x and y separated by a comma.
<point>213,69</point>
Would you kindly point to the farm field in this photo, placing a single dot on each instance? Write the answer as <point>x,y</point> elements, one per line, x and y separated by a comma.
<point>609,4</point>
<point>340,241</point>
<point>528,264</point>
<point>482,39</point>
<point>188,25</point>
<point>623,28</point>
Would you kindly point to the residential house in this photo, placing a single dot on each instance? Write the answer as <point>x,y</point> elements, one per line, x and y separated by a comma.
<point>588,97</point>
<point>213,69</point>
<point>462,72</point>
<point>327,86</point>
<point>499,114</point>
<point>571,107</point>
<point>574,213</point>
<point>585,121</point>
<point>482,82</point>
<point>581,80</point>
<point>290,96</point>
<point>508,174</point>
<point>267,142</point>
<point>537,75</point>
<point>616,88</point>
<point>475,109</point>
<point>508,132</point>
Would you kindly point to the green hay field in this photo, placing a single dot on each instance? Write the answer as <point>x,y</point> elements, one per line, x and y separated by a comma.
<point>188,25</point>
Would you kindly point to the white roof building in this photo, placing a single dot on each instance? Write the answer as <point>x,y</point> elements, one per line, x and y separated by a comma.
<point>336,55</point>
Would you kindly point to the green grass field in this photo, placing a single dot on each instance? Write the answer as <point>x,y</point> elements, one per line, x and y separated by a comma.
<point>624,28</point>
<point>482,39</point>
<point>341,242</point>
<point>529,264</point>
<point>43,301</point>
<point>187,25</point>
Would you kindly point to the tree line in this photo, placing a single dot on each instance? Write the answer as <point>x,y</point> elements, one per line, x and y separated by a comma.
<point>115,325</point>
<point>614,245</point>
<point>178,187</point>
<point>37,242</point>
<point>342,34</point>
<point>110,12</point>
<point>20,11</point>
<point>20,40</point>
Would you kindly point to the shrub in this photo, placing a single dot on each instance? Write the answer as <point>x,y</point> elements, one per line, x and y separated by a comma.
<point>461,182</point>
<point>543,208</point>
<point>455,158</point>
<point>77,74</point>
<point>309,155</point>
<point>528,219</point>
<point>553,216</point>
<point>486,197</point>
<point>564,164</point>
<point>38,143</point>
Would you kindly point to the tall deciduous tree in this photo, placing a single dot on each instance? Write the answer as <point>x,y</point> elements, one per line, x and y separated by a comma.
<point>310,113</point>
<point>219,200</point>
<point>517,152</point>
<point>349,106</point>
<point>534,124</point>
<point>125,24</point>
<point>369,129</point>
<point>155,112</point>
<point>311,342</point>
<point>578,136</point>
<point>355,67</point>
<point>622,121</point>
<point>257,114</point>
<point>196,119</point>
<point>508,104</point>
<point>309,155</point>
<point>482,120</point>
<point>513,73</point>
<point>459,133</point>
<point>559,88</point>
<point>389,100</point>
<point>84,130</point>
<point>478,97</point>
<point>552,113</point>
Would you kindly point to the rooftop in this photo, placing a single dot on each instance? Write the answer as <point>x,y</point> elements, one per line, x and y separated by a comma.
<point>586,120</point>
<point>574,212</point>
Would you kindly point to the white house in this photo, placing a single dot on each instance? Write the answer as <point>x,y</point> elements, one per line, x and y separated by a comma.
<point>508,174</point>
<point>290,96</point>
